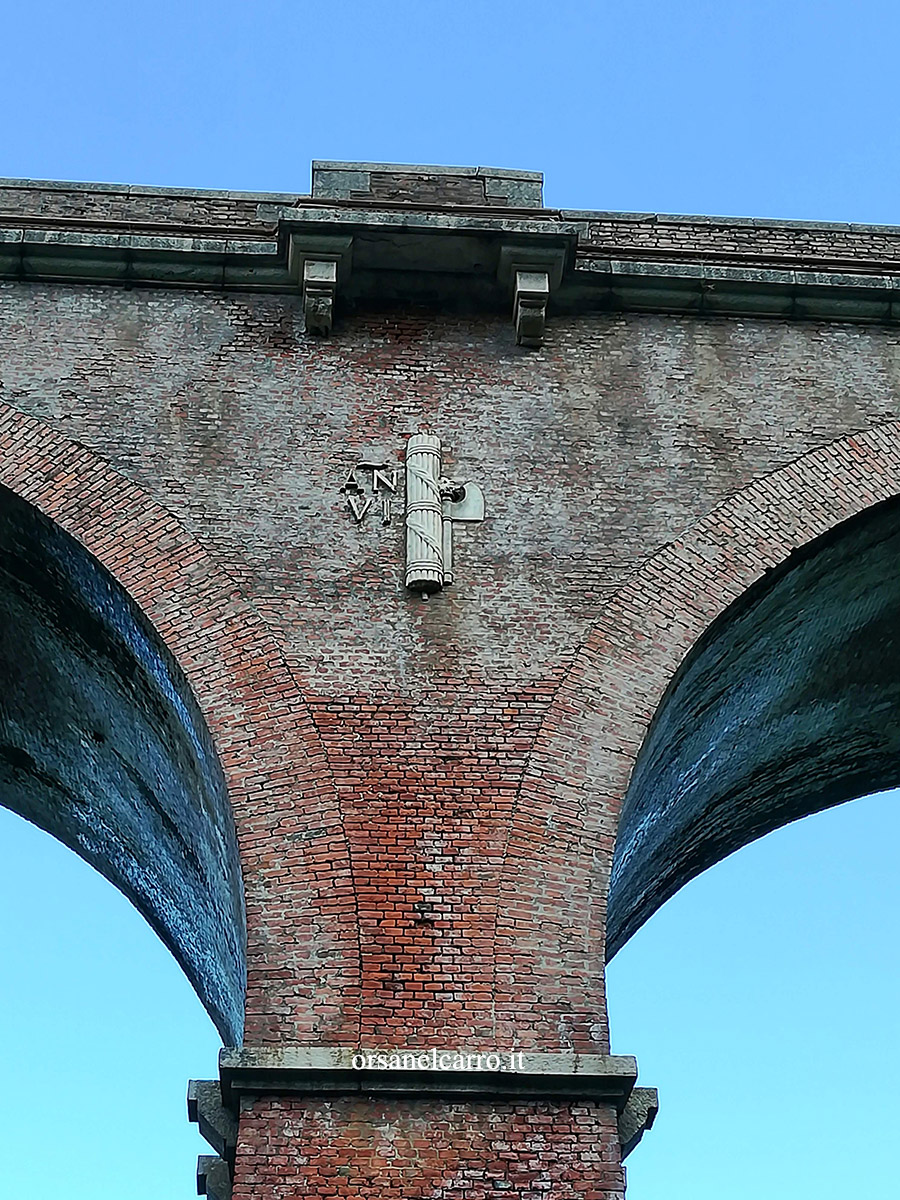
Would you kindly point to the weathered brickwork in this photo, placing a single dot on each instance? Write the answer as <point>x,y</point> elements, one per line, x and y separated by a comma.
<point>245,429</point>
<point>434,1149</point>
<point>772,243</point>
<point>426,792</point>
<point>114,206</point>
<point>269,748</point>
<point>389,185</point>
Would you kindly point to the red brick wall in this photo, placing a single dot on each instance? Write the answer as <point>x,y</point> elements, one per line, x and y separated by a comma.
<point>430,1149</point>
<point>601,712</point>
<point>270,750</point>
<point>425,792</point>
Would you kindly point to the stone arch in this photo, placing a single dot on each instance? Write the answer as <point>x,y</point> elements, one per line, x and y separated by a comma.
<point>265,740</point>
<point>564,830</point>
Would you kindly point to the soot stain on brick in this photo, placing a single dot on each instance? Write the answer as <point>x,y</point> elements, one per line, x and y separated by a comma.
<point>103,745</point>
<point>36,565</point>
<point>787,705</point>
<point>18,760</point>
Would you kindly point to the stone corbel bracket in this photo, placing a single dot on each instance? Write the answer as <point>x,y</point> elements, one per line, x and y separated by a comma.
<point>219,1126</point>
<point>637,1117</point>
<point>530,273</point>
<point>216,1123</point>
<point>213,1178</point>
<point>319,265</point>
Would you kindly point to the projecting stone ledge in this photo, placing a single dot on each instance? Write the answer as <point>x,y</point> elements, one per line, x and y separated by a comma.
<point>510,1075</point>
<point>474,239</point>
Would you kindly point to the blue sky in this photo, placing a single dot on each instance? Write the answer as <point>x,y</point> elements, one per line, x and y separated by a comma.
<point>763,999</point>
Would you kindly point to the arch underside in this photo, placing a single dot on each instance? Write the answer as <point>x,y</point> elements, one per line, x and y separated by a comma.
<point>103,745</point>
<point>789,704</point>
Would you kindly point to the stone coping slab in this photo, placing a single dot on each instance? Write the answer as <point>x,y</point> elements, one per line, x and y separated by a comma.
<point>339,1070</point>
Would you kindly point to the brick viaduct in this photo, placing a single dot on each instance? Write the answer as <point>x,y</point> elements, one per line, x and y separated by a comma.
<point>369,818</point>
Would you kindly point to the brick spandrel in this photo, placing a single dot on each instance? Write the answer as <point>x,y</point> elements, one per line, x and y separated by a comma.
<point>471,881</point>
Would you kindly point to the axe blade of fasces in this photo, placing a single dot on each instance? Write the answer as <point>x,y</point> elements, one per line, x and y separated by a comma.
<point>470,508</point>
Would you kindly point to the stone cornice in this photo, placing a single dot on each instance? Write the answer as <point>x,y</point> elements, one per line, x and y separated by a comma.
<point>333,1070</point>
<point>449,254</point>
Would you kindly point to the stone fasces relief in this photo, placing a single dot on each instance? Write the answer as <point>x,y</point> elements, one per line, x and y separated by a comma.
<point>433,504</point>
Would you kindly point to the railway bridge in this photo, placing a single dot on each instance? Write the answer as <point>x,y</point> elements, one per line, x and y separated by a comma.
<point>406,588</point>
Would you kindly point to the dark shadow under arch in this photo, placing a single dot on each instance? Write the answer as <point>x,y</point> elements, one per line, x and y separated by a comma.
<point>788,704</point>
<point>103,745</point>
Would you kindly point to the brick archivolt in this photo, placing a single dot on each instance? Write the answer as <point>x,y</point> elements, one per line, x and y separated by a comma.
<point>563,831</point>
<point>268,746</point>
<point>542,924</point>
